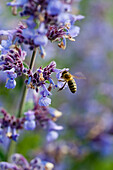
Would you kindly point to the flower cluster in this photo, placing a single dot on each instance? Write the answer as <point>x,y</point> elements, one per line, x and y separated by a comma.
<point>40,116</point>
<point>12,64</point>
<point>42,78</point>
<point>19,162</point>
<point>9,125</point>
<point>6,40</point>
<point>46,20</point>
<point>45,117</point>
<point>43,20</point>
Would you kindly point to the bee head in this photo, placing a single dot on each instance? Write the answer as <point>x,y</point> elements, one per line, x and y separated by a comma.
<point>63,73</point>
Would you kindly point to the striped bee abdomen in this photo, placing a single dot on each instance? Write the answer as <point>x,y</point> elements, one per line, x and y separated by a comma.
<point>72,85</point>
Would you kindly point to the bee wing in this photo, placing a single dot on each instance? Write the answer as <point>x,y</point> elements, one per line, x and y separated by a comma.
<point>79,75</point>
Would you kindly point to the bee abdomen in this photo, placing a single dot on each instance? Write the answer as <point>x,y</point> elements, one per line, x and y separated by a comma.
<point>72,86</point>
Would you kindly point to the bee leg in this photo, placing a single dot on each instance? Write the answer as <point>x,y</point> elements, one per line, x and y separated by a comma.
<point>61,80</point>
<point>62,87</point>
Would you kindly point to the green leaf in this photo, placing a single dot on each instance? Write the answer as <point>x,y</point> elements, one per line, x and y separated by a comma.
<point>25,65</point>
<point>47,81</point>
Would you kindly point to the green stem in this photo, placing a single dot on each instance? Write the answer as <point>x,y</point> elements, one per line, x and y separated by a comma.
<point>25,88</point>
<point>22,102</point>
<point>12,145</point>
<point>11,149</point>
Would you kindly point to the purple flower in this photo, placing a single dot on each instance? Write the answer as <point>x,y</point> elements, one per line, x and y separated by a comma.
<point>12,64</point>
<point>74,31</point>
<point>5,44</point>
<point>54,113</point>
<point>20,161</point>
<point>15,135</point>
<point>41,29</point>
<point>29,80</point>
<point>44,101</point>
<point>54,7</point>
<point>51,136</point>
<point>17,3</point>
<point>11,83</point>
<point>34,162</point>
<point>7,166</point>
<point>41,51</point>
<point>1,135</point>
<point>45,91</point>
<point>53,126</point>
<point>11,73</point>
<point>64,18</point>
<point>40,40</point>
<point>30,22</point>
<point>79,17</point>
<point>29,123</point>
<point>12,133</point>
<point>47,20</point>
<point>28,33</point>
<point>29,115</point>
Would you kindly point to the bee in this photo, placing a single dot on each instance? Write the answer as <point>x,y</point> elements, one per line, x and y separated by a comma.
<point>69,78</point>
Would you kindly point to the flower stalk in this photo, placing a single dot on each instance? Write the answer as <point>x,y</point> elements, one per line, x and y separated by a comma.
<point>25,88</point>
<point>12,145</point>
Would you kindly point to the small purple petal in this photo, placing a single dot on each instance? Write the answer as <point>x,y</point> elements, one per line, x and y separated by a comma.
<point>1,135</point>
<point>79,17</point>
<point>54,113</point>
<point>29,80</point>
<point>8,166</point>
<point>52,135</point>
<point>41,29</point>
<point>42,51</point>
<point>14,134</point>
<point>29,115</point>
<point>29,125</point>
<point>51,81</point>
<point>44,101</point>
<point>11,73</point>
<point>19,160</point>
<point>53,126</point>
<point>74,31</point>
<point>54,7</point>
<point>40,40</point>
<point>10,84</point>
<point>45,91</point>
<point>28,33</point>
<point>35,161</point>
<point>17,3</point>
<point>30,22</point>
